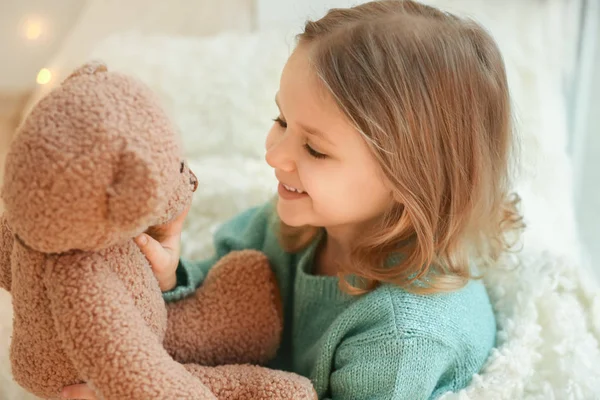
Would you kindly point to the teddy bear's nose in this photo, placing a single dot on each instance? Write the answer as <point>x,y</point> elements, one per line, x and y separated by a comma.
<point>193,181</point>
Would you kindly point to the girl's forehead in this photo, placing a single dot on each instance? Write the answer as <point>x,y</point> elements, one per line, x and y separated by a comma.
<point>301,86</point>
<point>304,99</point>
<point>298,71</point>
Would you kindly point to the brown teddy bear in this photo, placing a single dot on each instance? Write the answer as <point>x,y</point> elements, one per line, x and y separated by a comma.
<point>95,164</point>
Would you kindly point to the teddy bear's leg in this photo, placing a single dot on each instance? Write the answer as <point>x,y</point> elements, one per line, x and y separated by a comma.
<point>6,247</point>
<point>234,317</point>
<point>241,382</point>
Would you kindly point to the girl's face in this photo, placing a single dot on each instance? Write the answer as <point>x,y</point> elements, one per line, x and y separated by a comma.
<point>327,174</point>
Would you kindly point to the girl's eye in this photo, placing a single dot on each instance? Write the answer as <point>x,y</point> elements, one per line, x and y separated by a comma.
<point>281,122</point>
<point>182,167</point>
<point>313,152</point>
<point>309,149</point>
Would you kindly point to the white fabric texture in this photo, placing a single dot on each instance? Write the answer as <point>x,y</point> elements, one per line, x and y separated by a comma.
<point>220,93</point>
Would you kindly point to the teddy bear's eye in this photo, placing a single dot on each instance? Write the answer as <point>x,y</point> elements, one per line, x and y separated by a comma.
<point>182,167</point>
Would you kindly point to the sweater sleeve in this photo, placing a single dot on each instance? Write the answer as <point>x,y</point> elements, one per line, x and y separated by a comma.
<point>412,368</point>
<point>243,232</point>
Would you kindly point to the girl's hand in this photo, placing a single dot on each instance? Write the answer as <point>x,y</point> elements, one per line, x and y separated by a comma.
<point>162,245</point>
<point>79,392</point>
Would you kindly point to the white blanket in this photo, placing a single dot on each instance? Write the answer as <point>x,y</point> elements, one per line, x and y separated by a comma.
<point>220,92</point>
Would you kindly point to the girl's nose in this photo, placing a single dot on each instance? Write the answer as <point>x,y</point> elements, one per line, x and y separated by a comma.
<point>280,153</point>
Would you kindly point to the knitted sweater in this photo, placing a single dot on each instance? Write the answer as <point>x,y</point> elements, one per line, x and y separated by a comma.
<point>387,344</point>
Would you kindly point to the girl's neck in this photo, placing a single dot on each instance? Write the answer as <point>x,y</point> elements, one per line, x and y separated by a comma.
<point>333,252</point>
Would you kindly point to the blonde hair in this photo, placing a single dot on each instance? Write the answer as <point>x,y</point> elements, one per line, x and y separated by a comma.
<point>428,92</point>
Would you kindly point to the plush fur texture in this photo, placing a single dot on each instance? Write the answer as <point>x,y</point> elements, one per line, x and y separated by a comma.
<point>96,163</point>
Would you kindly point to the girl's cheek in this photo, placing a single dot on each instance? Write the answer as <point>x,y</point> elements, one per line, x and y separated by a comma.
<point>312,178</point>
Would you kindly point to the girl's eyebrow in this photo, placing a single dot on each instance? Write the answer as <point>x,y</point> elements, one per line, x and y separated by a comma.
<point>308,129</point>
<point>315,132</point>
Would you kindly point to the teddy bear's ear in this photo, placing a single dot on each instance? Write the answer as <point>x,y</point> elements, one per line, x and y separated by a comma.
<point>134,195</point>
<point>90,68</point>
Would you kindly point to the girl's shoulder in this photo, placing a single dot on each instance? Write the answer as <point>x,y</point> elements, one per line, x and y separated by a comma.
<point>250,229</point>
<point>468,305</point>
<point>458,318</point>
<point>258,219</point>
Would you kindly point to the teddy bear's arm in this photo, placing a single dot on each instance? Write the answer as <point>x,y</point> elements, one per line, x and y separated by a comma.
<point>6,246</point>
<point>235,317</point>
<point>107,339</point>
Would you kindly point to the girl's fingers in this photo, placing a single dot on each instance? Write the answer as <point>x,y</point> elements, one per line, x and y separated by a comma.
<point>157,255</point>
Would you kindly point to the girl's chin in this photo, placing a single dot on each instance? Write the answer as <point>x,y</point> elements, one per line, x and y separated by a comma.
<point>290,217</point>
<point>293,222</point>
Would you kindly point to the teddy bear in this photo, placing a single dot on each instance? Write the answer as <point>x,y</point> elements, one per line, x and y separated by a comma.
<point>96,163</point>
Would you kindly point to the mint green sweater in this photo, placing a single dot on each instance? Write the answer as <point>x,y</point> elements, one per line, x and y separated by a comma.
<point>387,344</point>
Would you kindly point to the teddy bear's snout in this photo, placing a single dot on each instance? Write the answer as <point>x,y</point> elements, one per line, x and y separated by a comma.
<point>193,181</point>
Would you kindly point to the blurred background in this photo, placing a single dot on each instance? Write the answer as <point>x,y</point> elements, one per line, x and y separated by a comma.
<point>43,40</point>
<point>215,66</point>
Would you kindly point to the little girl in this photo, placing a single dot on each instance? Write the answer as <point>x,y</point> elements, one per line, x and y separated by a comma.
<point>392,151</point>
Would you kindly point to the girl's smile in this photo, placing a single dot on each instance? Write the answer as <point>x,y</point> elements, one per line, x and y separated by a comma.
<point>290,193</point>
